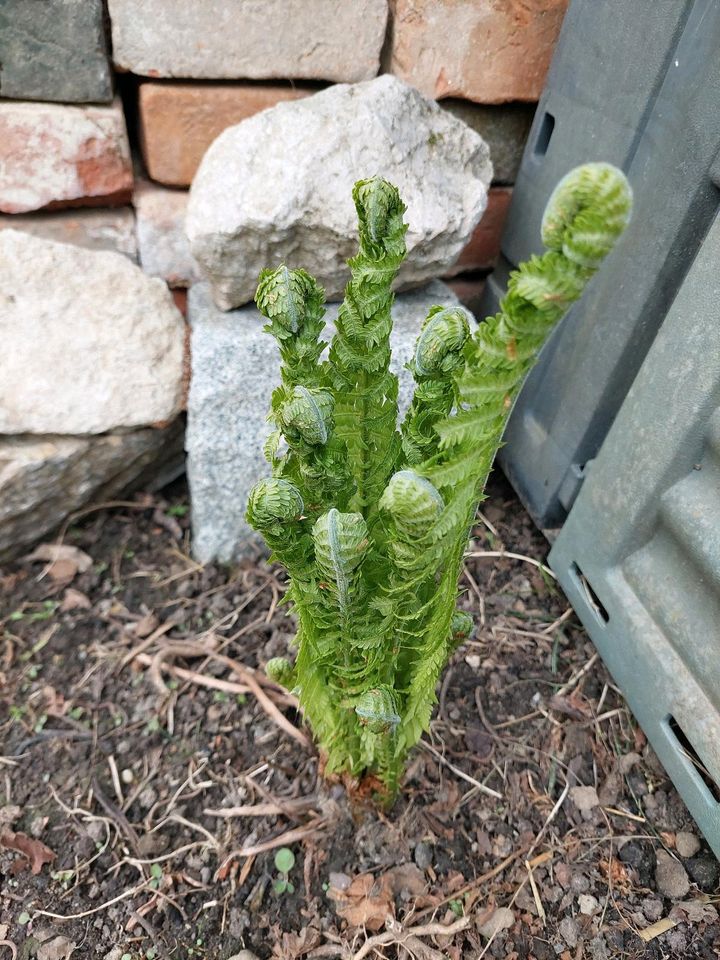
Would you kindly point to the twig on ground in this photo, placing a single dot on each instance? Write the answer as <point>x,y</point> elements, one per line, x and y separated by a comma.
<point>103,906</point>
<point>460,773</point>
<point>285,839</point>
<point>480,554</point>
<point>398,935</point>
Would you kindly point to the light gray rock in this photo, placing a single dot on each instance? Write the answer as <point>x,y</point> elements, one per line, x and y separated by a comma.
<point>235,368</point>
<point>502,919</point>
<point>671,877</point>
<point>278,186</point>
<point>54,50</point>
<point>315,39</point>
<point>686,843</point>
<point>90,343</point>
<point>44,479</point>
<point>164,247</point>
<point>112,229</point>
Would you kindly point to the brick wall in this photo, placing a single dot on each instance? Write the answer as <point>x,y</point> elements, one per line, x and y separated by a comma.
<point>180,72</point>
<point>106,110</point>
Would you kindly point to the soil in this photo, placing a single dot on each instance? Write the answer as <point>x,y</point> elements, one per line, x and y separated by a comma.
<point>534,820</point>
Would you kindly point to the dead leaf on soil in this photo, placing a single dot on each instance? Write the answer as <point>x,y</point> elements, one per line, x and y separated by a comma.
<point>65,560</point>
<point>59,948</point>
<point>34,853</point>
<point>145,625</point>
<point>9,814</point>
<point>74,600</point>
<point>694,911</point>
<point>290,946</point>
<point>368,901</point>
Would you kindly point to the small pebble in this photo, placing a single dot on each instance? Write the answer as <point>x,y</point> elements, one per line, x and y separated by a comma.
<point>671,877</point>
<point>423,855</point>
<point>501,919</point>
<point>244,955</point>
<point>579,883</point>
<point>652,908</point>
<point>126,775</point>
<point>686,844</point>
<point>584,798</point>
<point>705,871</point>
<point>588,905</point>
<point>569,931</point>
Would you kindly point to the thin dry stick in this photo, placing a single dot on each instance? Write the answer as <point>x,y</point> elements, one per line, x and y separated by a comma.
<point>290,836</point>
<point>576,677</point>
<point>401,936</point>
<point>103,906</point>
<point>289,807</point>
<point>461,773</point>
<point>248,678</point>
<point>513,556</point>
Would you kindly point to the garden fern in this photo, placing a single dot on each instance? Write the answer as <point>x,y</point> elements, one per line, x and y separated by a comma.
<point>370,520</point>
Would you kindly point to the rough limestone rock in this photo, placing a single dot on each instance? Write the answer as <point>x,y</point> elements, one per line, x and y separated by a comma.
<point>164,248</point>
<point>45,479</point>
<point>93,229</point>
<point>235,368</point>
<point>54,50</point>
<point>248,39</point>
<point>90,343</point>
<point>277,187</point>
<point>60,155</point>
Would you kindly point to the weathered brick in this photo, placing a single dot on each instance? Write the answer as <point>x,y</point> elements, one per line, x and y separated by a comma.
<point>54,50</point>
<point>93,229</point>
<point>55,155</point>
<point>312,39</point>
<point>504,127</point>
<point>179,121</point>
<point>482,50</point>
<point>162,243</point>
<point>483,249</point>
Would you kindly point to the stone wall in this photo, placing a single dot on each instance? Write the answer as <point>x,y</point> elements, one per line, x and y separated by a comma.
<point>108,109</point>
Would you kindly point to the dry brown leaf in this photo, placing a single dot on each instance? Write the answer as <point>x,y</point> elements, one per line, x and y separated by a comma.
<point>366,903</point>
<point>694,911</point>
<point>34,853</point>
<point>74,600</point>
<point>145,625</point>
<point>290,946</point>
<point>406,876</point>
<point>58,552</point>
<point>59,948</point>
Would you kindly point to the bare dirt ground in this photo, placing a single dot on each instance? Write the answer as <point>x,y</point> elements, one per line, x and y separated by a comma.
<point>149,774</point>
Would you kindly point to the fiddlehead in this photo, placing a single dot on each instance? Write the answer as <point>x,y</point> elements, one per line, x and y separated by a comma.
<point>438,356</point>
<point>365,390</point>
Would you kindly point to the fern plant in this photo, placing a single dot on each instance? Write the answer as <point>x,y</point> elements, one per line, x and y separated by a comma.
<point>371,521</point>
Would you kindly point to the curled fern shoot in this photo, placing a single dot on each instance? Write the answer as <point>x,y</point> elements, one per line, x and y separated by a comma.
<point>372,523</point>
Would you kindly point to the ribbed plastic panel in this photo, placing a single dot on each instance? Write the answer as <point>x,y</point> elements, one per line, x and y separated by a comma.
<point>639,555</point>
<point>637,84</point>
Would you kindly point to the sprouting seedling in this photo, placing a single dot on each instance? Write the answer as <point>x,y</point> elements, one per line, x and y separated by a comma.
<point>370,518</point>
<point>284,862</point>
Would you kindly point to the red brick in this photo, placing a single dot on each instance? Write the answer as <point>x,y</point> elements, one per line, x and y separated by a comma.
<point>490,51</point>
<point>482,251</point>
<point>179,121</point>
<point>54,155</point>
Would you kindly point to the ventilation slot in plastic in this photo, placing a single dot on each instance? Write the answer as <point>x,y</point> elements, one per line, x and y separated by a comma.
<point>542,141</point>
<point>685,747</point>
<point>591,598</point>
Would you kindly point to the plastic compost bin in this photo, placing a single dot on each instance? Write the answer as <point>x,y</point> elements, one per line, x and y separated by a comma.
<point>614,444</point>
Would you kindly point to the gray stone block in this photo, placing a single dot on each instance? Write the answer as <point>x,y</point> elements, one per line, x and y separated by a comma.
<point>235,367</point>
<point>54,50</point>
<point>45,479</point>
<point>504,128</point>
<point>100,229</point>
